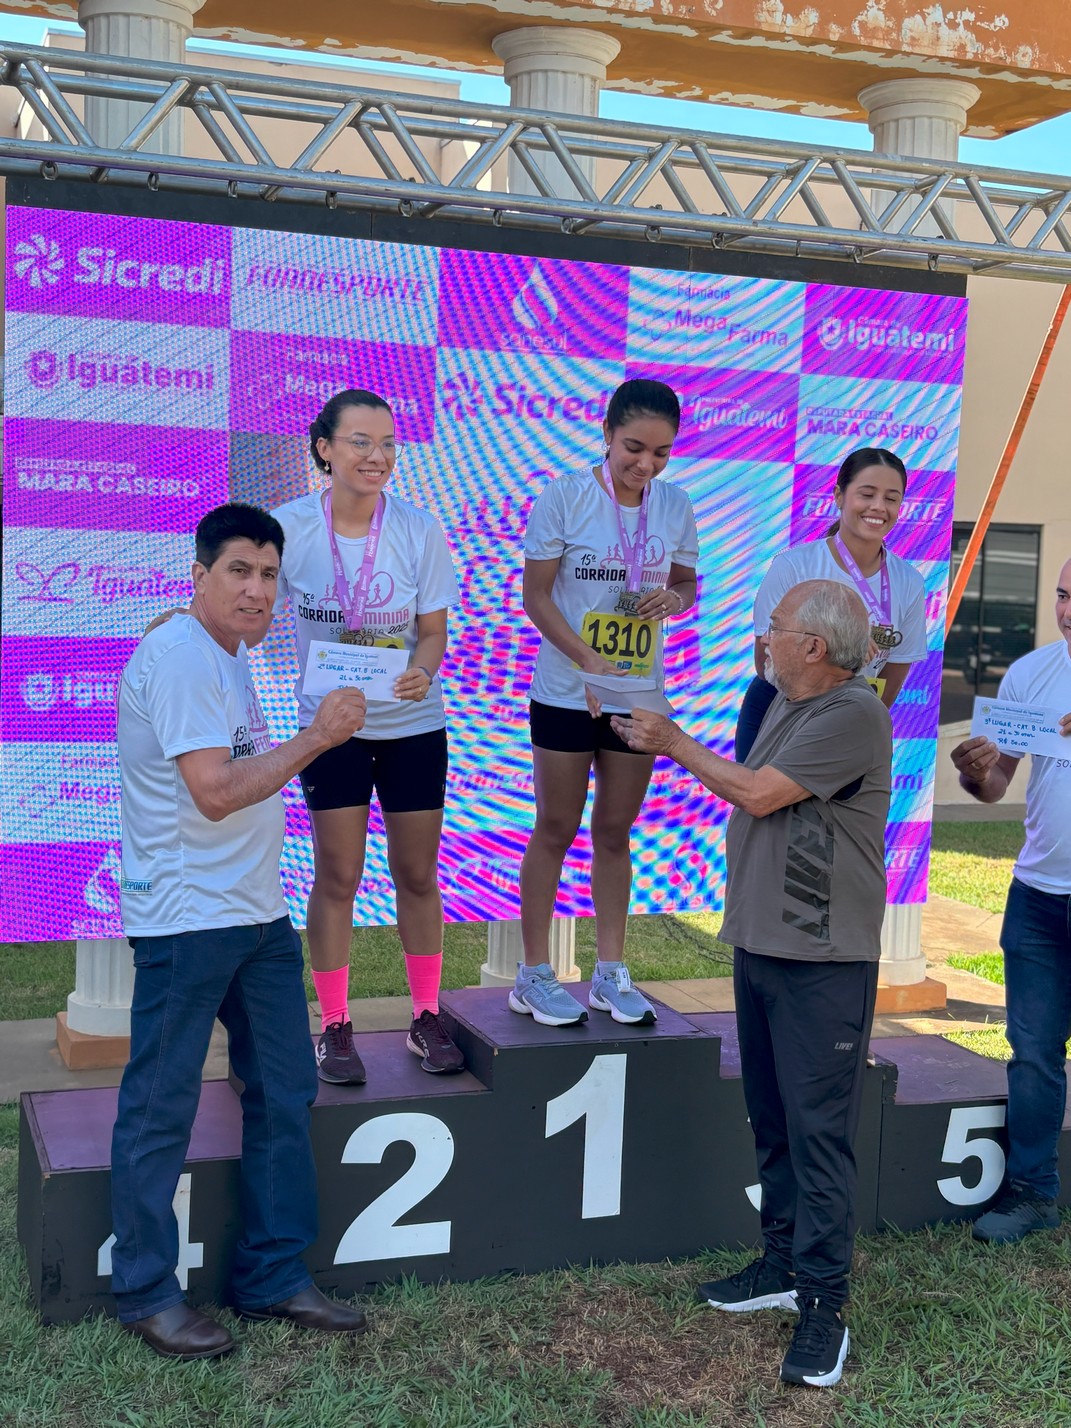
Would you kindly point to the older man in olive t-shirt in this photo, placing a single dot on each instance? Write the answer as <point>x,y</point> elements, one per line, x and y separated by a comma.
<point>803,908</point>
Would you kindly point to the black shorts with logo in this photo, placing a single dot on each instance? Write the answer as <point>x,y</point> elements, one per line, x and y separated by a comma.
<point>407,774</point>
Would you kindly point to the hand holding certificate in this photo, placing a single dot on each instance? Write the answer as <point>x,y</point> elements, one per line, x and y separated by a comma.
<point>622,693</point>
<point>371,668</point>
<point>1021,728</point>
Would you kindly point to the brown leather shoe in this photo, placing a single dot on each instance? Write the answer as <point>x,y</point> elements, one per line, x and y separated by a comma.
<point>182,1333</point>
<point>313,1310</point>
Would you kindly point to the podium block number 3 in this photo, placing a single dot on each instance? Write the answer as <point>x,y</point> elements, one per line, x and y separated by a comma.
<point>598,1099</point>
<point>375,1233</point>
<point>983,1148</point>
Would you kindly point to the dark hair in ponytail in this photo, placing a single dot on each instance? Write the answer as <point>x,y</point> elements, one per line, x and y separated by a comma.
<point>857,461</point>
<point>324,426</point>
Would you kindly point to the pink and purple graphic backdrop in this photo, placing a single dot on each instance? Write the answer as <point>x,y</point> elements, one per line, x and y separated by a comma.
<point>155,369</point>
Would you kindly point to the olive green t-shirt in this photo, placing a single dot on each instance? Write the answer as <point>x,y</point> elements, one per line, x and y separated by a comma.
<point>808,881</point>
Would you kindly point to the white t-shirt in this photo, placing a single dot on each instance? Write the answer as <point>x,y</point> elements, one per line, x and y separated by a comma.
<point>813,560</point>
<point>182,872</point>
<point>573,520</point>
<point>414,576</point>
<point>1044,677</point>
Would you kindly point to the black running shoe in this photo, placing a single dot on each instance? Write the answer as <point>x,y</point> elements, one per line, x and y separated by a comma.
<point>428,1039</point>
<point>759,1286</point>
<point>336,1056</point>
<point>1020,1211</point>
<point>819,1346</point>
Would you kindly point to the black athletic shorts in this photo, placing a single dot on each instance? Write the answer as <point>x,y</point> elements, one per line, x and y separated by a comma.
<point>408,774</point>
<point>573,731</point>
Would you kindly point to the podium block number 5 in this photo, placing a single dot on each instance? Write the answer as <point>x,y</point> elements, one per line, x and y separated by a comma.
<point>375,1233</point>
<point>983,1148</point>
<point>598,1099</point>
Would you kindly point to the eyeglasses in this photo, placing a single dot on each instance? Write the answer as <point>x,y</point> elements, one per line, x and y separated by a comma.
<point>363,447</point>
<point>772,629</point>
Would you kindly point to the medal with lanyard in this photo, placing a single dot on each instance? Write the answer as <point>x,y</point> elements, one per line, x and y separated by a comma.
<point>353,608</point>
<point>624,638</point>
<point>882,630</point>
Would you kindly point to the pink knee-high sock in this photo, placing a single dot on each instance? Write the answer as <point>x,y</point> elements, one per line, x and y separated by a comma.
<point>332,991</point>
<point>425,975</point>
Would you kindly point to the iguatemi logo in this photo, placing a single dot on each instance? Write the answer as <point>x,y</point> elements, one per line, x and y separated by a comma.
<point>84,689</point>
<point>863,335</point>
<point>38,259</point>
<point>48,369</point>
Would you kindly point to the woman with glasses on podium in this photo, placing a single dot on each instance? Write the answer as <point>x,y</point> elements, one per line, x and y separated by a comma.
<point>361,566</point>
<point>610,554</point>
<point>869,493</point>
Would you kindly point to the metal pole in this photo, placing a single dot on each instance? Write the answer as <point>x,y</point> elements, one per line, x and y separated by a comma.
<point>1011,446</point>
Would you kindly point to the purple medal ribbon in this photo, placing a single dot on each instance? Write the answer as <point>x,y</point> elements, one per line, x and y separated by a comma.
<point>353,610</point>
<point>633,552</point>
<point>880,610</point>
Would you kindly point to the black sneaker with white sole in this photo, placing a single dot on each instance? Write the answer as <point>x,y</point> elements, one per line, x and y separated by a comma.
<point>819,1346</point>
<point>336,1056</point>
<point>1019,1211</point>
<point>760,1285</point>
<point>428,1039</point>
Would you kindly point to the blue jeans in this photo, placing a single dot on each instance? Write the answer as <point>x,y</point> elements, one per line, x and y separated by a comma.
<point>1036,938</point>
<point>250,977</point>
<point>758,697</point>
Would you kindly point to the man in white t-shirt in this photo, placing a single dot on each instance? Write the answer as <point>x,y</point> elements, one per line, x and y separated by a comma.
<point>1035,938</point>
<point>203,909</point>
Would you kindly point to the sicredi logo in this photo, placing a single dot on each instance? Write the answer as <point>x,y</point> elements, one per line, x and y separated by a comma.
<point>464,397</point>
<point>48,369</point>
<point>40,260</point>
<point>864,334</point>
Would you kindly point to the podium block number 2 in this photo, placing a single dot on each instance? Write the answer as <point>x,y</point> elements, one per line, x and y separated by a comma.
<point>375,1233</point>
<point>983,1148</point>
<point>598,1099</point>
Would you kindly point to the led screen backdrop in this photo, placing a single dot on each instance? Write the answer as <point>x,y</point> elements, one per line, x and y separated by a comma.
<point>155,368</point>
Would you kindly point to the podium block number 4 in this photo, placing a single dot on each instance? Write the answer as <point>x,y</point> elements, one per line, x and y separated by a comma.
<point>988,1152</point>
<point>191,1254</point>
<point>375,1233</point>
<point>598,1099</point>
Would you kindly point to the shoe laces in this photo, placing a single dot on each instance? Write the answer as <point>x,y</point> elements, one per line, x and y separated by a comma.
<point>339,1036</point>
<point>621,976</point>
<point>432,1029</point>
<point>1014,1194</point>
<point>814,1331</point>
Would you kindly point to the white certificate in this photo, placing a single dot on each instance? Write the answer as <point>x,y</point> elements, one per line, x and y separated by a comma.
<point>1021,728</point>
<point>622,693</point>
<point>368,667</point>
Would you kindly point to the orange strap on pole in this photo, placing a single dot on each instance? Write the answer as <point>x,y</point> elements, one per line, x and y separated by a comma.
<point>1011,446</point>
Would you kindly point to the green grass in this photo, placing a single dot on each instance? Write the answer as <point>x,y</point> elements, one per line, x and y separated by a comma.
<point>988,1041</point>
<point>989,965</point>
<point>972,862</point>
<point>944,1332</point>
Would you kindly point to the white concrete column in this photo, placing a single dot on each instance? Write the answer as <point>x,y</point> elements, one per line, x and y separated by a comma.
<point>922,118</point>
<point>558,70</point>
<point>140,29</point>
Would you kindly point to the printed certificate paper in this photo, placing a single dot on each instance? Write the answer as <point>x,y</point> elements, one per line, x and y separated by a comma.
<point>369,667</point>
<point>621,693</point>
<point>1021,728</point>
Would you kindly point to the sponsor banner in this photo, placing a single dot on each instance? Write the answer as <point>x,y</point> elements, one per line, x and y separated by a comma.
<point>60,793</point>
<point>60,891</point>
<point>280,381</point>
<point>935,573</point>
<point>70,583</point>
<point>923,531</point>
<point>728,415</point>
<point>914,762</point>
<point>126,269</point>
<point>131,373</point>
<point>907,861</point>
<point>60,690</point>
<point>333,287</point>
<point>868,332</point>
<point>918,421</point>
<point>107,478</point>
<point>916,713</point>
<point>503,302</point>
<point>746,324</point>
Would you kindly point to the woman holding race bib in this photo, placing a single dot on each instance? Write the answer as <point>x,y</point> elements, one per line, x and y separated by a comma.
<point>869,493</point>
<point>364,567</point>
<point>610,553</point>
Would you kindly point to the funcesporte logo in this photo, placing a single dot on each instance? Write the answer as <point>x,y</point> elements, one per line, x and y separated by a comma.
<point>865,333</point>
<point>48,369</point>
<point>40,261</point>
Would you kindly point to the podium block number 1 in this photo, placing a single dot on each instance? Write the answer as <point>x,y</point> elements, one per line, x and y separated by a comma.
<point>598,1099</point>
<point>375,1233</point>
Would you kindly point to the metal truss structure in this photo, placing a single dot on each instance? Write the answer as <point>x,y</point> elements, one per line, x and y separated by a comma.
<point>665,185</point>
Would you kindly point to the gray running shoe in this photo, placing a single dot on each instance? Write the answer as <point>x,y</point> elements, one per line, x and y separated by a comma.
<point>612,991</point>
<point>538,993</point>
<point>1019,1211</point>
